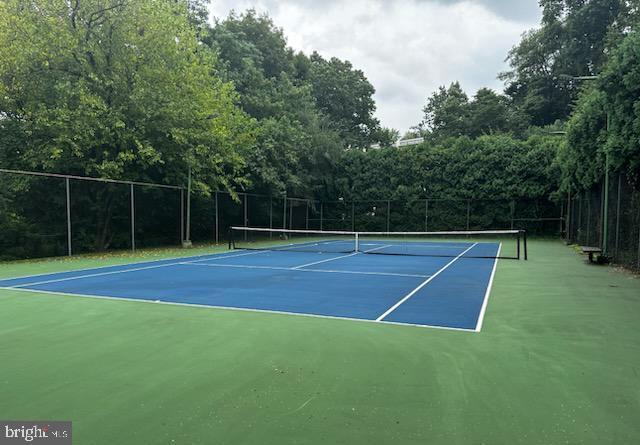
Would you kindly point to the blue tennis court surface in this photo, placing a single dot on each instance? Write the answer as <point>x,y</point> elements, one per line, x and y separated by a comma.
<point>448,291</point>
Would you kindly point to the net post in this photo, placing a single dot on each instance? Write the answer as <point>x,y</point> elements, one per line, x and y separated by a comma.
<point>68,192</point>
<point>524,244</point>
<point>133,221</point>
<point>357,246</point>
<point>231,240</point>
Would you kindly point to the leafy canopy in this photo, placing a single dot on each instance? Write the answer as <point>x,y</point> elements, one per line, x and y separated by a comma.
<point>115,88</point>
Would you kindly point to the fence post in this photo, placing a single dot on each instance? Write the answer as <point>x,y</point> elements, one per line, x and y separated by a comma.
<point>133,221</point>
<point>245,210</point>
<point>306,216</point>
<point>69,250</point>
<point>291,214</point>
<point>638,242</point>
<point>217,220</point>
<point>468,213</point>
<point>245,215</point>
<point>588,218</point>
<point>426,215</point>
<point>567,221</point>
<point>188,235</point>
<point>270,216</point>
<point>321,215</point>
<point>353,216</point>
<point>388,216</point>
<point>579,226</point>
<point>513,212</point>
<point>284,212</point>
<point>561,218</point>
<point>181,215</point>
<point>602,235</point>
<point>618,215</point>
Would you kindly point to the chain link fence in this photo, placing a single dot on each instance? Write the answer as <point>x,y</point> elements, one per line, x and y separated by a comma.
<point>586,220</point>
<point>537,216</point>
<point>45,215</point>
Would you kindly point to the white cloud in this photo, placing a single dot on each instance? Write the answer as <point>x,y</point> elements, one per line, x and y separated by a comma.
<point>405,48</point>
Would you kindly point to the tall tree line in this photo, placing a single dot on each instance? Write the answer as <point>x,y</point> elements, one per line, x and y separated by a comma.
<point>147,90</point>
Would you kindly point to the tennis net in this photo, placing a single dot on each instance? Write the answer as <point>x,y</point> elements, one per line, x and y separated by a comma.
<point>507,244</point>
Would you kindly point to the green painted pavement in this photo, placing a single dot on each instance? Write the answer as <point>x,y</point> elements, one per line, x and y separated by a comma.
<point>558,361</point>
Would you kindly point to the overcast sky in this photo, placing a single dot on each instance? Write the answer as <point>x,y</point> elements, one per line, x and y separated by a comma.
<point>406,48</point>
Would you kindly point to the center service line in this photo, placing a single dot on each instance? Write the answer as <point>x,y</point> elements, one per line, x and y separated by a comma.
<point>423,284</point>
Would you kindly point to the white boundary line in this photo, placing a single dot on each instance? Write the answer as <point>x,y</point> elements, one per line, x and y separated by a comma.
<point>294,246</point>
<point>377,248</point>
<point>421,246</point>
<point>135,269</point>
<point>324,261</point>
<point>336,258</point>
<point>488,292</point>
<point>239,309</point>
<point>84,269</point>
<point>423,284</point>
<point>295,269</point>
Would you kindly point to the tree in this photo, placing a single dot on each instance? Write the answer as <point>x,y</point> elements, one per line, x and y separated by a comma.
<point>250,46</point>
<point>487,167</point>
<point>581,159</point>
<point>116,89</point>
<point>103,89</point>
<point>386,137</point>
<point>573,40</point>
<point>345,96</point>
<point>446,113</point>
<point>613,97</point>
<point>296,146</point>
<point>620,83</point>
<point>488,113</point>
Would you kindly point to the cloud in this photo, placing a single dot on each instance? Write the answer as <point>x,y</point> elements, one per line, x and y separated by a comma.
<point>526,11</point>
<point>407,49</point>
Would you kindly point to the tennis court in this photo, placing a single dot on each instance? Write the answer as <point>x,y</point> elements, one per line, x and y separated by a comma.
<point>423,282</point>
